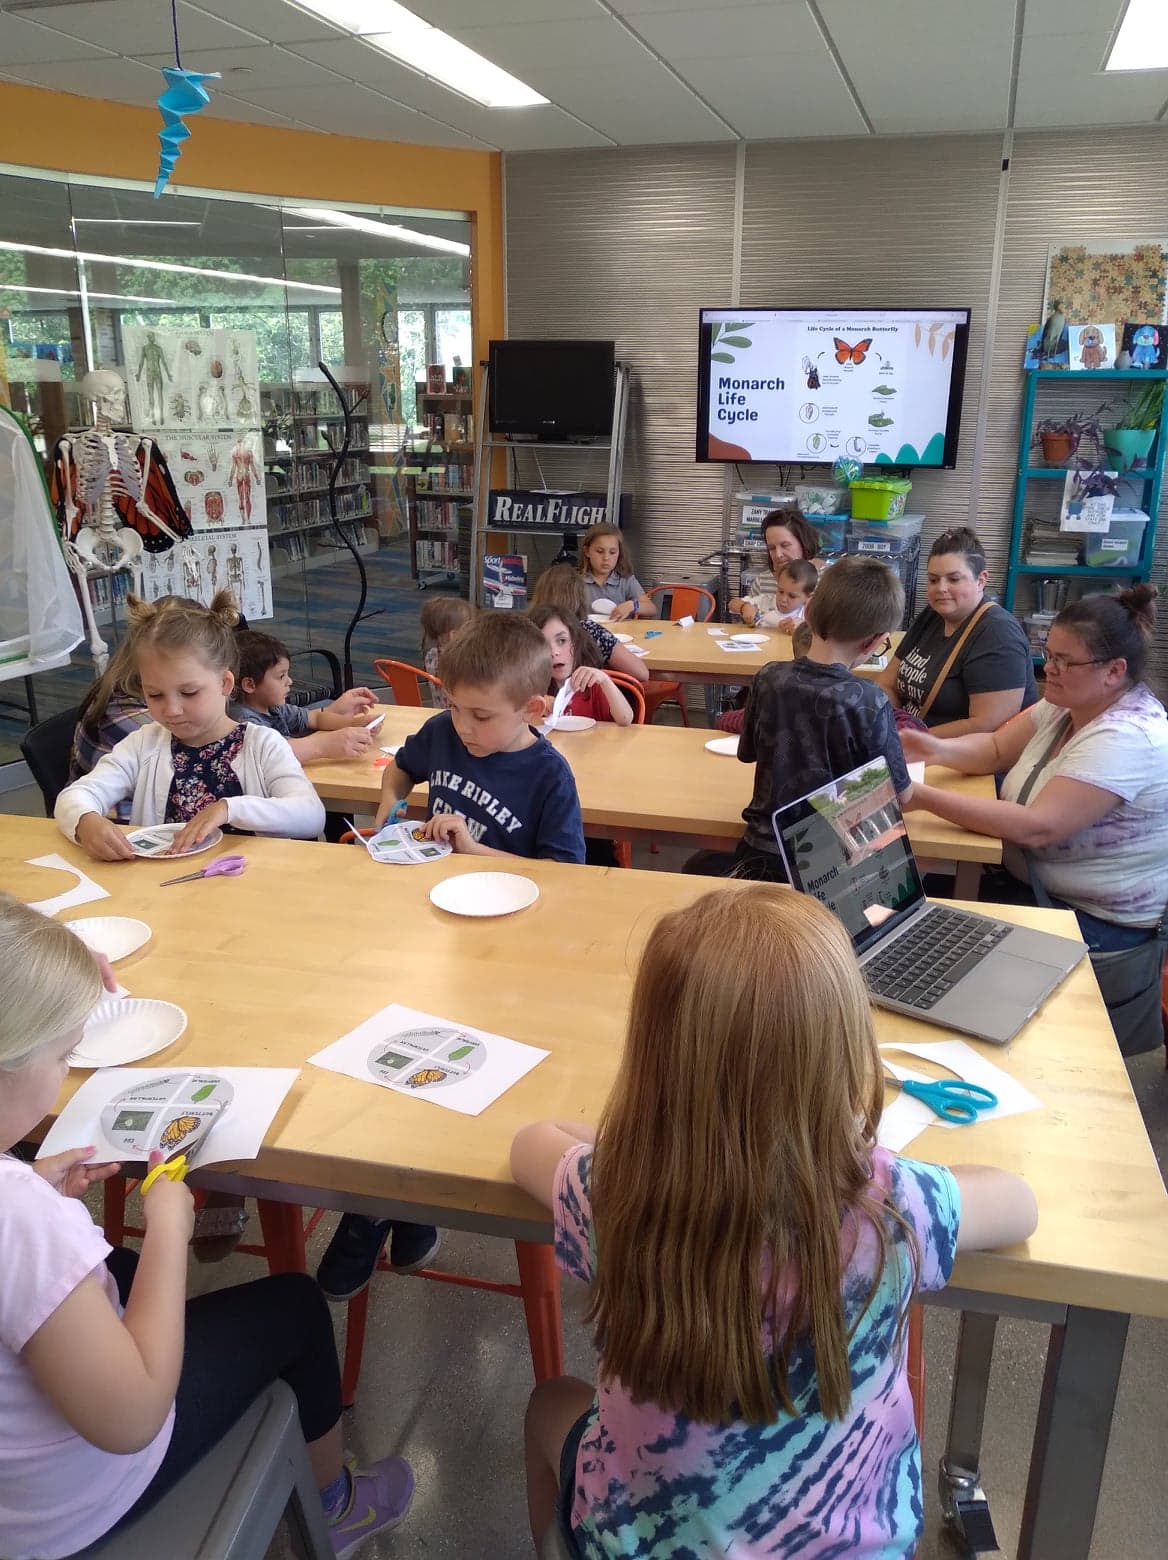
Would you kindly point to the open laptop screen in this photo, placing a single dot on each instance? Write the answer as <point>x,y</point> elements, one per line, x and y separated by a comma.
<point>847,845</point>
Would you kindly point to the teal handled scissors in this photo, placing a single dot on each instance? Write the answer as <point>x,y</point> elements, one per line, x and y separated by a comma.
<point>952,1100</point>
<point>225,866</point>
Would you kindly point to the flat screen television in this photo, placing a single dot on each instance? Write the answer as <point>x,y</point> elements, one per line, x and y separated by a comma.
<point>883,386</point>
<point>551,389</point>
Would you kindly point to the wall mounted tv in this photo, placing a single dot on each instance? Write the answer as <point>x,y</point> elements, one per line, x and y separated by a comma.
<point>883,386</point>
<point>551,389</point>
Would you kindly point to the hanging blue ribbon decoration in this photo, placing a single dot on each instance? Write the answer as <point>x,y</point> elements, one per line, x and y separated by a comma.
<point>185,94</point>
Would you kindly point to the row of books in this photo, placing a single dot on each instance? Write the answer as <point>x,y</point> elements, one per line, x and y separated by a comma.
<point>438,517</point>
<point>436,555</point>
<point>310,475</point>
<point>447,427</point>
<point>436,478</point>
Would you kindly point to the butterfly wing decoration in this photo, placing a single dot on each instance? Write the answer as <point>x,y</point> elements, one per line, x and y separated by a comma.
<point>154,510</point>
<point>847,354</point>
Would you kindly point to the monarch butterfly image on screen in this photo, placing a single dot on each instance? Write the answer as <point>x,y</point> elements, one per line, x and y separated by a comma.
<point>846,354</point>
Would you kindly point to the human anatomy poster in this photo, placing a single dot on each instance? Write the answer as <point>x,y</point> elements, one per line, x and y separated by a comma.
<point>430,1058</point>
<point>220,479</point>
<point>191,378</point>
<point>212,1115</point>
<point>810,385</point>
<point>237,561</point>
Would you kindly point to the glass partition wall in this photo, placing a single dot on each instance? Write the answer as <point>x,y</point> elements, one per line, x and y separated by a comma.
<point>216,311</point>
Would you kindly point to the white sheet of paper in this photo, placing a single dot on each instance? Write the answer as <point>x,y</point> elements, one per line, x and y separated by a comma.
<point>737,646</point>
<point>916,773</point>
<point>463,1068</point>
<point>956,1058</point>
<point>237,1135</point>
<point>82,892</point>
<point>559,705</point>
<point>685,622</point>
<point>716,633</point>
<point>903,1119</point>
<point>637,650</point>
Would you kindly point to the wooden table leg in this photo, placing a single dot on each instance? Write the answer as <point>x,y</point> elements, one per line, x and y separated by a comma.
<point>539,1281</point>
<point>967,879</point>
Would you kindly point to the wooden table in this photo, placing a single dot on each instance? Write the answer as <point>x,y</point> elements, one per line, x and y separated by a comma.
<point>691,655</point>
<point>313,938</point>
<point>660,783</point>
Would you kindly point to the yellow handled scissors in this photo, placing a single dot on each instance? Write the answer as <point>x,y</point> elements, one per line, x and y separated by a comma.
<point>173,1169</point>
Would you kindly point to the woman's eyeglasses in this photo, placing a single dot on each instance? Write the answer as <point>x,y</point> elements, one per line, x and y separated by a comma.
<point>1059,664</point>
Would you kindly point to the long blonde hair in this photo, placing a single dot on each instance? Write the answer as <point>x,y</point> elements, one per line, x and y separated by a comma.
<point>49,982</point>
<point>739,1132</point>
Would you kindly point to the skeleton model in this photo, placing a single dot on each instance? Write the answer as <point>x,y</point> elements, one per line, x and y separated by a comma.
<point>243,470</point>
<point>113,499</point>
<point>192,572</point>
<point>152,362</point>
<point>235,575</point>
<point>260,578</point>
<point>212,568</point>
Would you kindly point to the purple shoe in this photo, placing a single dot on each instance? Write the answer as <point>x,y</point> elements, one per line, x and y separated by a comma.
<point>379,1500</point>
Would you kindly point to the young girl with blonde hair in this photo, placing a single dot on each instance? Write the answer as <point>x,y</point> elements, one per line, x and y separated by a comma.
<point>194,764</point>
<point>608,574</point>
<point>752,1254</point>
<point>112,1386</point>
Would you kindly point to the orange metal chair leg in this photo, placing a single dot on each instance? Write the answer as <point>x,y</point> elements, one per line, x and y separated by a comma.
<point>283,1228</point>
<point>114,1211</point>
<point>357,1314</point>
<point>539,1281</point>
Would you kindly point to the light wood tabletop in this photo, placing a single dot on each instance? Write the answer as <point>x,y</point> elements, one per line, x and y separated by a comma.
<point>691,655</point>
<point>655,781</point>
<point>314,938</point>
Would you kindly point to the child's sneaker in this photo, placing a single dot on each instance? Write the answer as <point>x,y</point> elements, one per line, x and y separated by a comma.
<point>349,1263</point>
<point>412,1246</point>
<point>378,1500</point>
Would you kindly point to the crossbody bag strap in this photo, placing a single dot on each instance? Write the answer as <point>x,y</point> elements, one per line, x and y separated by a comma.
<point>939,680</point>
<point>1043,759</point>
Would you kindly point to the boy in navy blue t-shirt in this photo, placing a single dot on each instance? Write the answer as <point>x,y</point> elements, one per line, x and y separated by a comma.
<point>497,788</point>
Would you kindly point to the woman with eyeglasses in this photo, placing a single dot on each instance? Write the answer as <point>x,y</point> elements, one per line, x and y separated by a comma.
<point>1084,805</point>
<point>964,664</point>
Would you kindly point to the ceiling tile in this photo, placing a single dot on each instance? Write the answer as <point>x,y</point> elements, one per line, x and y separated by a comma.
<point>224,106</point>
<point>637,104</point>
<point>598,42</point>
<point>144,26</point>
<point>739,30</point>
<point>24,42</point>
<point>887,47</point>
<point>1071,16</point>
<point>768,97</point>
<point>256,69</point>
<point>1051,98</point>
<point>449,14</point>
<point>272,19</point>
<point>352,110</point>
<point>637,8</point>
<point>125,81</point>
<point>1073,56</point>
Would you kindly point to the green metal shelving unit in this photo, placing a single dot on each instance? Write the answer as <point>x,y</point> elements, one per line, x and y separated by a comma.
<point>1149,479</point>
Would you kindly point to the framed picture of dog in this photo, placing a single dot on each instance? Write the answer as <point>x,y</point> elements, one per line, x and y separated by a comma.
<point>1091,346</point>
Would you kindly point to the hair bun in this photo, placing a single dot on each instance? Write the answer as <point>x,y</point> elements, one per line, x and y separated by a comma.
<point>223,609</point>
<point>140,612</point>
<point>1140,602</point>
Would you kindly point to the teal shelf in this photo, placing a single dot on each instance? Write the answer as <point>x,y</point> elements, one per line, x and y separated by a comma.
<point>1144,474</point>
<point>1073,376</point>
<point>1073,569</point>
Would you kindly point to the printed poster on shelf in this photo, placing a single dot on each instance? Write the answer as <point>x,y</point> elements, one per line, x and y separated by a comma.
<point>1088,499</point>
<point>191,379</point>
<point>237,561</point>
<point>220,478</point>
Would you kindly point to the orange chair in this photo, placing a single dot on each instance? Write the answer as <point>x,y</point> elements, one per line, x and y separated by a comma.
<point>686,601</point>
<point>632,690</point>
<point>405,681</point>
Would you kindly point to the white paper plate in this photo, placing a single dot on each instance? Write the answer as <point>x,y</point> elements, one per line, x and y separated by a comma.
<point>575,723</point>
<point>126,1029</point>
<point>484,893</point>
<point>754,639</point>
<point>598,617</point>
<point>623,639</point>
<point>116,936</point>
<point>727,745</point>
<point>169,830</point>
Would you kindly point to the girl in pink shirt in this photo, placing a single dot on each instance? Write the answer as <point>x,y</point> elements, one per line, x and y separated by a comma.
<point>111,1385</point>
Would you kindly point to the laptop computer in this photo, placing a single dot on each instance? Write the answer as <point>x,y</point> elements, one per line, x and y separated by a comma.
<point>846,844</point>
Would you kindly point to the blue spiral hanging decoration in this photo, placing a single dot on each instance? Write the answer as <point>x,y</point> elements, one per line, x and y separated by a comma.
<point>185,94</point>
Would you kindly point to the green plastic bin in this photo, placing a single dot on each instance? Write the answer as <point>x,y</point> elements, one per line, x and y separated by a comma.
<point>879,498</point>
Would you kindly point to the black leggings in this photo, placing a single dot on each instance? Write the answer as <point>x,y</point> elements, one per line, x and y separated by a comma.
<point>238,1341</point>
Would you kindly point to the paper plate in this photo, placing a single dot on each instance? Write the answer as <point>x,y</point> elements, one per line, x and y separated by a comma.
<point>598,617</point>
<point>125,1030</point>
<point>114,935</point>
<point>728,745</point>
<point>623,639</point>
<point>754,639</point>
<point>574,723</point>
<point>155,841</point>
<point>484,893</point>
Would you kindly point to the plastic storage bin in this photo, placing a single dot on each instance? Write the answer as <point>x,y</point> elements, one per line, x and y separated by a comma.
<point>831,530</point>
<point>879,498</point>
<point>885,538</point>
<point>820,498</point>
<point>1118,547</point>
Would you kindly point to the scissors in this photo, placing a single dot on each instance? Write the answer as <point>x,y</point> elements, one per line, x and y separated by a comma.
<point>225,866</point>
<point>953,1101</point>
<point>173,1169</point>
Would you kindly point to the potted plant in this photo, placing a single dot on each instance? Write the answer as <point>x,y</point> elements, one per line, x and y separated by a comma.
<point>1130,441</point>
<point>1061,437</point>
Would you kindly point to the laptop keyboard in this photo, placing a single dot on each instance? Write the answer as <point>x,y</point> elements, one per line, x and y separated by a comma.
<point>928,961</point>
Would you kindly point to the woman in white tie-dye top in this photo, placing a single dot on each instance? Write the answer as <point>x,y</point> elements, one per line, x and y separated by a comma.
<point>752,1253</point>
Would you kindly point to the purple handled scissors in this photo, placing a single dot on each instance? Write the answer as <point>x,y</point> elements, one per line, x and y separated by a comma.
<point>225,866</point>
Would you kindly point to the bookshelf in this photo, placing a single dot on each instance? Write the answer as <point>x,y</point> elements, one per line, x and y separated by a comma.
<point>298,423</point>
<point>439,493</point>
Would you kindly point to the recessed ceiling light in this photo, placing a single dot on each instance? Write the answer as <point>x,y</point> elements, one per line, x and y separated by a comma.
<point>1142,40</point>
<point>164,265</point>
<point>385,25</point>
<point>69,292</point>
<point>347,219</point>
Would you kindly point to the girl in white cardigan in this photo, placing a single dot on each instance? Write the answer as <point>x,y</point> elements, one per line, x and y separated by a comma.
<point>193,765</point>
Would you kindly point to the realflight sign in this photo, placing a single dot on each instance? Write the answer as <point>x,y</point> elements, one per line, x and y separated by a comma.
<point>537,509</point>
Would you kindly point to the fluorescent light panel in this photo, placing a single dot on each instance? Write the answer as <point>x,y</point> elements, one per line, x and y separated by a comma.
<point>69,292</point>
<point>1142,40</point>
<point>347,219</point>
<point>163,265</point>
<point>133,222</point>
<point>387,26</point>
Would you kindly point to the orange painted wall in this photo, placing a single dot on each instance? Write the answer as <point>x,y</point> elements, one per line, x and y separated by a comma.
<point>80,136</point>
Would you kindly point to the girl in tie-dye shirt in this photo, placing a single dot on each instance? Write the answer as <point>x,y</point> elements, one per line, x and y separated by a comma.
<point>752,1255</point>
